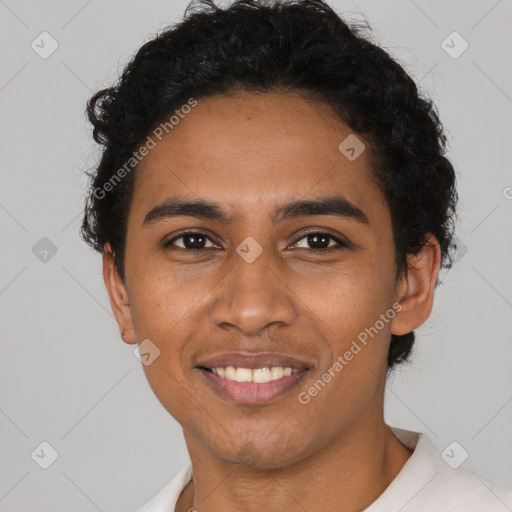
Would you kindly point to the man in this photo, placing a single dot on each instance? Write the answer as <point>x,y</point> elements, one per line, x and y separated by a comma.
<point>273,207</point>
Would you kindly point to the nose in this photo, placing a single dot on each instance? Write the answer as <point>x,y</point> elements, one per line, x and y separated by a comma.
<point>253,296</point>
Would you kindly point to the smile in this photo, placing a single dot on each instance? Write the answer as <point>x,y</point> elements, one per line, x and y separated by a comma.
<point>252,386</point>
<point>253,375</point>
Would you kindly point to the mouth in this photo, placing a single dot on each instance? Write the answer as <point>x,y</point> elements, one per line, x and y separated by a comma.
<point>253,378</point>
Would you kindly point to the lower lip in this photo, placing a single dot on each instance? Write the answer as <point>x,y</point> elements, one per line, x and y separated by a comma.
<point>253,392</point>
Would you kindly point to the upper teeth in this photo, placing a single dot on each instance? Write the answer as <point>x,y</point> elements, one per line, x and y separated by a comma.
<point>257,375</point>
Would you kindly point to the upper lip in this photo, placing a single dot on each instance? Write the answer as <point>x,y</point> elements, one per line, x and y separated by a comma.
<point>252,360</point>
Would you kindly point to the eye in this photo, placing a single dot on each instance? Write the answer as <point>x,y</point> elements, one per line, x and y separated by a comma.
<point>318,241</point>
<point>191,240</point>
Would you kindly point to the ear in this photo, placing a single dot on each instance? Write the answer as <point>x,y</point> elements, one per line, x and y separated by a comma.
<point>118,296</point>
<point>415,291</point>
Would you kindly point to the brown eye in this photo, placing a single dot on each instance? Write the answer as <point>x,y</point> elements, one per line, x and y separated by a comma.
<point>319,241</point>
<point>192,240</point>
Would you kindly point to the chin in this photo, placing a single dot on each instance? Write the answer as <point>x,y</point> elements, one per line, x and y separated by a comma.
<point>261,455</point>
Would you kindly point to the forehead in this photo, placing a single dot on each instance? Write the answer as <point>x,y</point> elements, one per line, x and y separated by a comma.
<point>252,151</point>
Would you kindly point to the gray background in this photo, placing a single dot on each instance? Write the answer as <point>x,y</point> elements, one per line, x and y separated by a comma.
<point>65,375</point>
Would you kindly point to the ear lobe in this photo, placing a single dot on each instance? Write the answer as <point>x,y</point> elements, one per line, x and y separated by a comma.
<point>118,296</point>
<point>415,291</point>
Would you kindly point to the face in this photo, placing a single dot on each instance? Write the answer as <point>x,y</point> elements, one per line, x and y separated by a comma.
<point>253,275</point>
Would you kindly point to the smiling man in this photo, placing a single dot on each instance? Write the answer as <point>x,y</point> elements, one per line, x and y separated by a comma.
<point>273,207</point>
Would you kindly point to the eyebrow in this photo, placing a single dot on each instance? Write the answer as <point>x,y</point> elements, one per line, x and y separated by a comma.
<point>202,209</point>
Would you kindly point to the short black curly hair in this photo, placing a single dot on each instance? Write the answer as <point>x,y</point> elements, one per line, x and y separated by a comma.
<point>282,45</point>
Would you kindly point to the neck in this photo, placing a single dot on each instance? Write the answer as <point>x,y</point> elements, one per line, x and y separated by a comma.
<point>349,474</point>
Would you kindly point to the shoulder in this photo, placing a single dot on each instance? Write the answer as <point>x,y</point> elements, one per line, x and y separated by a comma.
<point>465,491</point>
<point>428,482</point>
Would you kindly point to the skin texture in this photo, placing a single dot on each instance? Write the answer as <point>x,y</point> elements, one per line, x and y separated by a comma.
<point>251,153</point>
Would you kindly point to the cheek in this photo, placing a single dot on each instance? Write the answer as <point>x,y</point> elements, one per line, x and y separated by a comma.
<point>161,311</point>
<point>348,298</point>
<point>346,311</point>
<point>159,302</point>
<point>156,314</point>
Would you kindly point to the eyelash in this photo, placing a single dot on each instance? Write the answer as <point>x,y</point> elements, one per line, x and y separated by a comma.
<point>341,243</point>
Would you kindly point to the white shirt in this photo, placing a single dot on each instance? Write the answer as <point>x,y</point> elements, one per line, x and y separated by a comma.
<point>426,483</point>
